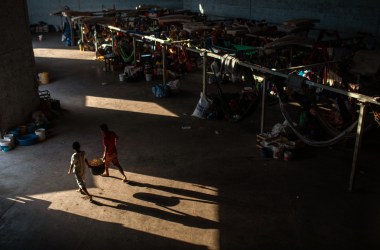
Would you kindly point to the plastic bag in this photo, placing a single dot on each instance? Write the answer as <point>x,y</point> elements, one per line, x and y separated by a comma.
<point>202,107</point>
<point>160,90</point>
<point>173,85</point>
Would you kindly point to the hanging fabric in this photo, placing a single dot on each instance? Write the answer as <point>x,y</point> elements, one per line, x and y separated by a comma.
<point>229,65</point>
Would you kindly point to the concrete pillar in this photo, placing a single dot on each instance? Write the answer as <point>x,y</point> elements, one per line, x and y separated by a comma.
<point>18,84</point>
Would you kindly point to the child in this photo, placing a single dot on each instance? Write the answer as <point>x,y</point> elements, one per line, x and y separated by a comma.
<point>77,163</point>
<point>110,152</point>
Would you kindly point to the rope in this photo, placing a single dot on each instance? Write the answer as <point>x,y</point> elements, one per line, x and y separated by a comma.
<point>307,141</point>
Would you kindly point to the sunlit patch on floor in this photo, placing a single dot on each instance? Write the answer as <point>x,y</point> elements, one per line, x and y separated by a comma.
<point>127,105</point>
<point>16,200</point>
<point>171,209</point>
<point>64,54</point>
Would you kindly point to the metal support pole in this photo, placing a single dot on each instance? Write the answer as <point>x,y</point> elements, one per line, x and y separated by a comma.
<point>96,43</point>
<point>358,142</point>
<point>164,63</point>
<point>113,36</point>
<point>204,72</point>
<point>134,50</point>
<point>263,105</point>
<point>81,33</point>
<point>71,32</point>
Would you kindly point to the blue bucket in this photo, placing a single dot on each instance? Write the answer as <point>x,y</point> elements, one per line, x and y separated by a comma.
<point>27,140</point>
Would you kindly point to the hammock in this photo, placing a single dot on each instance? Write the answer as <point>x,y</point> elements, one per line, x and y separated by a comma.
<point>307,141</point>
<point>330,129</point>
<point>125,56</point>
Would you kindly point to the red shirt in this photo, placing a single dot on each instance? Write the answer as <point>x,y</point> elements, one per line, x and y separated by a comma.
<point>109,141</point>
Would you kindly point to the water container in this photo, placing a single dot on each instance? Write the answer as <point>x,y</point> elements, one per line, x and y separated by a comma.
<point>41,134</point>
<point>148,77</point>
<point>121,77</point>
<point>11,138</point>
<point>44,77</point>
<point>5,144</point>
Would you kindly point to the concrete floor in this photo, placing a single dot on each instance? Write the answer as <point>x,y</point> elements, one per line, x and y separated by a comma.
<point>203,188</point>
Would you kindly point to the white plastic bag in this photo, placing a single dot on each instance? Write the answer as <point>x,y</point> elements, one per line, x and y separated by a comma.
<point>202,106</point>
<point>173,85</point>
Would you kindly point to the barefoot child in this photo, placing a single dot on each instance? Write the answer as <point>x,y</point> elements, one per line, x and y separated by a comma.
<point>77,164</point>
<point>110,139</point>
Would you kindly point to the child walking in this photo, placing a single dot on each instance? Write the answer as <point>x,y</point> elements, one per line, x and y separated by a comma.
<point>78,159</point>
<point>110,139</point>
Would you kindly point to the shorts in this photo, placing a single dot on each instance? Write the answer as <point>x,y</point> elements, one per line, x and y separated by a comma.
<point>111,158</point>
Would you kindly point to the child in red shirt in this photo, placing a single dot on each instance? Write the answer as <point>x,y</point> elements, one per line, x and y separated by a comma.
<point>110,152</point>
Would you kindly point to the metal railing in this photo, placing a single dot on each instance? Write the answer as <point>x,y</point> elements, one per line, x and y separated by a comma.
<point>363,99</point>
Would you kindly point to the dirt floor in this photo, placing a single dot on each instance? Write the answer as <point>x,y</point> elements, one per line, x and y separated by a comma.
<point>205,187</point>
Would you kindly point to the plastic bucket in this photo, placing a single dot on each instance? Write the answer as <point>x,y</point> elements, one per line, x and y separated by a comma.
<point>41,134</point>
<point>27,140</point>
<point>10,137</point>
<point>148,77</point>
<point>5,144</point>
<point>121,77</point>
<point>44,77</point>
